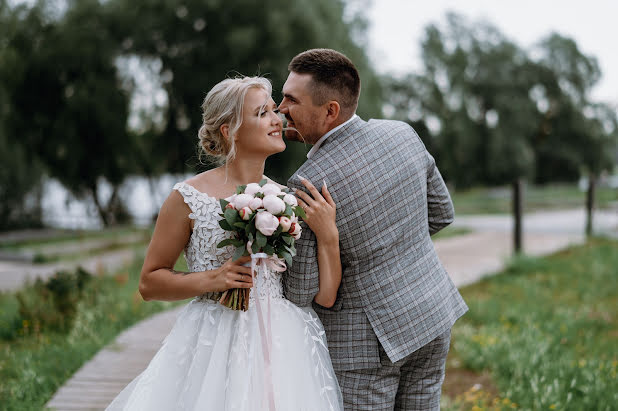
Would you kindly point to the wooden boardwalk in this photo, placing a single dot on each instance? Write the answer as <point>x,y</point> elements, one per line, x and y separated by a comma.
<point>98,382</point>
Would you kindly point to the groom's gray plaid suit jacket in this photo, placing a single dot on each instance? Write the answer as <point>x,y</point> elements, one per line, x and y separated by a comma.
<point>390,197</point>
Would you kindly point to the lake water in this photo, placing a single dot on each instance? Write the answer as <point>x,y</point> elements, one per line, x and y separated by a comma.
<point>143,199</point>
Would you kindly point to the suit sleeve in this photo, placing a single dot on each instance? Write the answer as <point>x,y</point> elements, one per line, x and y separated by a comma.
<point>439,205</point>
<point>301,281</point>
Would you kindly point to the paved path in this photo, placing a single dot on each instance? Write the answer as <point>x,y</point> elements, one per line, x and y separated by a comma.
<point>467,258</point>
<point>13,274</point>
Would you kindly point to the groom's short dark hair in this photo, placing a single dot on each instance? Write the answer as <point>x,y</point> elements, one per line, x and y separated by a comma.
<point>334,76</point>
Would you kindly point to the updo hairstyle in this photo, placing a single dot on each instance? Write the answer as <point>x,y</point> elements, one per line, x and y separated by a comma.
<point>224,104</point>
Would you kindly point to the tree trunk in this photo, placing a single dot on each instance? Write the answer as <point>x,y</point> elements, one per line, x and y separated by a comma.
<point>97,203</point>
<point>590,203</point>
<point>517,215</point>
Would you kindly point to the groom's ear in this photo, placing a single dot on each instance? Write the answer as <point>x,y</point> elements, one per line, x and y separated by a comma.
<point>332,111</point>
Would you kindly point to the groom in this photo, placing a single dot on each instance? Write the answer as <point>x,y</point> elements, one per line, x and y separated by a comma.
<point>389,329</point>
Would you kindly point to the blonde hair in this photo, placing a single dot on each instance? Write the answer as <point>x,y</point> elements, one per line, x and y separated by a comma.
<point>224,105</point>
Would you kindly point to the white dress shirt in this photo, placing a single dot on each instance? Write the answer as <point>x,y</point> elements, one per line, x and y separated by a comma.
<point>318,143</point>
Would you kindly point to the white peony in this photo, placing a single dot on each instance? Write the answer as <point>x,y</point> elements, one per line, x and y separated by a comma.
<point>273,204</point>
<point>290,199</point>
<point>256,203</point>
<point>252,188</point>
<point>242,200</point>
<point>266,223</point>
<point>270,189</point>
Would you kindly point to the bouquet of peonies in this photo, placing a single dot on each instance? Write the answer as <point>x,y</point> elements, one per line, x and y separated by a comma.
<point>263,219</point>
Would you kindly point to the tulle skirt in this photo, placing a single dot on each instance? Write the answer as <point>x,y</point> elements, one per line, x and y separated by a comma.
<point>218,359</point>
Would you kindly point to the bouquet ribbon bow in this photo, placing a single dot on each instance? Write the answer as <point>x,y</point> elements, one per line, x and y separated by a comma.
<point>277,265</point>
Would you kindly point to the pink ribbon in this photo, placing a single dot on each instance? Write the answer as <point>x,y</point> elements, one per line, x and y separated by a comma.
<point>274,264</point>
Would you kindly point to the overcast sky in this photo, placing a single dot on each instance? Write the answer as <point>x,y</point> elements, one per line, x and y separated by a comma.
<point>396,28</point>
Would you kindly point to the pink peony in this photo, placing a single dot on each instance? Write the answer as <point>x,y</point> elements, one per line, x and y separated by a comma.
<point>245,213</point>
<point>252,188</point>
<point>273,204</point>
<point>266,223</point>
<point>256,203</point>
<point>285,223</point>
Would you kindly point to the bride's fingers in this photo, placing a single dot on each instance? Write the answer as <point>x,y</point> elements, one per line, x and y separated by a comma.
<point>303,205</point>
<point>327,196</point>
<point>304,198</point>
<point>314,191</point>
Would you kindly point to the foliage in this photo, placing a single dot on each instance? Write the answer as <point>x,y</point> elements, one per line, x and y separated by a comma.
<point>545,329</point>
<point>20,179</point>
<point>499,113</point>
<point>35,362</point>
<point>72,72</point>
<point>196,44</point>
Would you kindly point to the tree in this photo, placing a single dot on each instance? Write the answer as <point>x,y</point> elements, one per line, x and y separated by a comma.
<point>474,89</point>
<point>20,179</point>
<point>67,106</point>
<point>576,135</point>
<point>197,44</point>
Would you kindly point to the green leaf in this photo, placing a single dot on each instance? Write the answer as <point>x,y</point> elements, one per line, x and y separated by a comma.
<point>225,225</point>
<point>255,248</point>
<point>269,249</point>
<point>226,242</point>
<point>223,204</point>
<point>262,182</point>
<point>287,239</point>
<point>277,231</point>
<point>240,189</point>
<point>288,210</point>
<point>259,195</point>
<point>231,216</point>
<point>298,210</point>
<point>240,224</point>
<point>286,256</point>
<point>239,252</point>
<point>260,239</point>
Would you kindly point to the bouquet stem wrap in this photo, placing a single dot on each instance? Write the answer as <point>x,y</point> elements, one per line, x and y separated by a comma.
<point>265,261</point>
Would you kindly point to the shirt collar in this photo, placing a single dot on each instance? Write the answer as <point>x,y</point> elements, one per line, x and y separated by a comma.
<point>318,143</point>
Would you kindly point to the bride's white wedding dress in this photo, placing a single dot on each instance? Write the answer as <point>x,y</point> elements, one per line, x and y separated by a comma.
<point>214,358</point>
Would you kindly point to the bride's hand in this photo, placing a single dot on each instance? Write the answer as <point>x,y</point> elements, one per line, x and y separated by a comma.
<point>320,210</point>
<point>232,274</point>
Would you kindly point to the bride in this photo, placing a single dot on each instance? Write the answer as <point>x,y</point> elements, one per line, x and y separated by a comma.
<point>216,358</point>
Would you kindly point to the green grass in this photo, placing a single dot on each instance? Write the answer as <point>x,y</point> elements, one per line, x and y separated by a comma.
<point>552,197</point>
<point>450,231</point>
<point>73,236</point>
<point>545,331</point>
<point>34,364</point>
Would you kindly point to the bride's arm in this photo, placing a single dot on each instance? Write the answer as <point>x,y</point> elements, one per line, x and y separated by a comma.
<point>321,212</point>
<point>159,280</point>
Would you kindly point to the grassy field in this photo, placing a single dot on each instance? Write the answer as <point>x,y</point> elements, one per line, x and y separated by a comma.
<point>70,237</point>
<point>542,335</point>
<point>450,231</point>
<point>36,360</point>
<point>552,197</point>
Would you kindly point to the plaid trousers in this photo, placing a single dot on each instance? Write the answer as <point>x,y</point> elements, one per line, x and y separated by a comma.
<point>412,383</point>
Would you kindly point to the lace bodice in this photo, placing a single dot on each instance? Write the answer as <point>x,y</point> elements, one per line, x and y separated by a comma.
<point>201,251</point>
